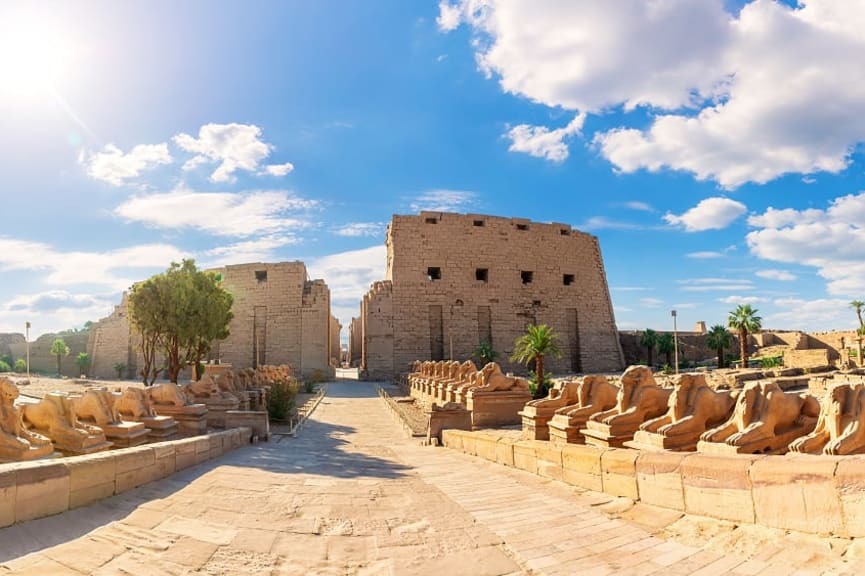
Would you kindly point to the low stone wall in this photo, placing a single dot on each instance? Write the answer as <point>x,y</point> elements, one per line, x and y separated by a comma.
<point>30,490</point>
<point>816,494</point>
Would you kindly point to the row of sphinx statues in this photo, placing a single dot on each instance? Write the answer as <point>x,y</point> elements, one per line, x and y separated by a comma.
<point>682,414</point>
<point>97,419</point>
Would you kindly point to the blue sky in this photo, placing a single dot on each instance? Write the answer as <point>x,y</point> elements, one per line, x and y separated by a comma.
<point>715,148</point>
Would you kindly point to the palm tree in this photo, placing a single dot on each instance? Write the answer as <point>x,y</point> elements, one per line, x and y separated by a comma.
<point>82,361</point>
<point>538,341</point>
<point>719,338</point>
<point>666,346</point>
<point>649,339</point>
<point>485,353</point>
<point>744,321</point>
<point>858,305</point>
<point>59,348</point>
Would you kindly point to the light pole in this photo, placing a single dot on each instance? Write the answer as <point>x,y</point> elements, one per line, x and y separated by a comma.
<point>27,346</point>
<point>675,343</point>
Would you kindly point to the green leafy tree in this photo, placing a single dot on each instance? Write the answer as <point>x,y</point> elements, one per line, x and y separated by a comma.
<point>20,365</point>
<point>666,346</point>
<point>59,349</point>
<point>744,321</point>
<point>4,367</point>
<point>179,313</point>
<point>858,306</point>
<point>538,342</point>
<point>82,361</point>
<point>485,353</point>
<point>718,338</point>
<point>649,339</point>
<point>120,367</point>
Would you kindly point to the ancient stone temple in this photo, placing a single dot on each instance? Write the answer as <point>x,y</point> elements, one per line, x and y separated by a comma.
<point>280,317</point>
<point>455,280</point>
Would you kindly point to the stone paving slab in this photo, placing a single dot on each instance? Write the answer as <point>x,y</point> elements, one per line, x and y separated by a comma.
<point>351,495</point>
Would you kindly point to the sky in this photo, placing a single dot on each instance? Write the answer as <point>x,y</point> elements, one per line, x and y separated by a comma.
<point>713,147</point>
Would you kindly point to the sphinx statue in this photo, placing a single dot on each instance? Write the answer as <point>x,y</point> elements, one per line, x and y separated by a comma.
<point>169,399</point>
<point>765,420</point>
<point>17,443</point>
<point>204,387</point>
<point>476,380</point>
<point>218,401</point>
<point>463,373</point>
<point>595,394</point>
<point>639,399</point>
<point>134,405</point>
<point>97,407</point>
<point>54,417</point>
<point>693,407</point>
<point>840,429</point>
<point>498,400</point>
<point>497,381</point>
<point>536,414</point>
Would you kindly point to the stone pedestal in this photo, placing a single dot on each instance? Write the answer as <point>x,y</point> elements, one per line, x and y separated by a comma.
<point>160,427</point>
<point>777,444</point>
<point>258,421</point>
<point>216,409</point>
<point>125,434</point>
<point>191,418</point>
<point>449,416</point>
<point>89,444</point>
<point>605,436</point>
<point>500,408</point>
<point>644,440</point>
<point>25,452</point>
<point>566,430</point>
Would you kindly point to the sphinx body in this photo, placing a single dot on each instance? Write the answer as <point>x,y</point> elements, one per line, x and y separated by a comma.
<point>169,399</point>
<point>97,407</point>
<point>134,405</point>
<point>693,407</point>
<point>639,399</point>
<point>536,414</point>
<point>17,443</point>
<point>595,394</point>
<point>54,417</point>
<point>463,374</point>
<point>840,429</point>
<point>765,420</point>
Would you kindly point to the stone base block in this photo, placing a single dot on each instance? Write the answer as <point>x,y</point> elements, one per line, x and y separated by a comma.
<point>652,441</point>
<point>776,444</point>
<point>161,427</point>
<point>257,420</point>
<point>497,408</point>
<point>719,486</point>
<point>603,439</point>
<point>566,430</point>
<point>535,426</point>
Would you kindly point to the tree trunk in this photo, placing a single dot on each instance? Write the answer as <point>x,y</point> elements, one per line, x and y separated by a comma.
<point>59,373</point>
<point>669,358</point>
<point>649,355</point>
<point>720,357</point>
<point>743,347</point>
<point>541,390</point>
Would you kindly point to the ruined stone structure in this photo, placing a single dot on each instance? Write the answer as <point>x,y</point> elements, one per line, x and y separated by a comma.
<point>455,280</point>
<point>280,317</point>
<point>335,350</point>
<point>355,342</point>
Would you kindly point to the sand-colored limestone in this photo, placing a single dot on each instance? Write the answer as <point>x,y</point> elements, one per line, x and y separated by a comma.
<point>596,394</point>
<point>96,406</point>
<point>694,407</point>
<point>134,405</point>
<point>764,421</point>
<point>54,417</point>
<point>536,414</point>
<point>170,400</point>
<point>840,427</point>
<point>499,400</point>
<point>17,443</point>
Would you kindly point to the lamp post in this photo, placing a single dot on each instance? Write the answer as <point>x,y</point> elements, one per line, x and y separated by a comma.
<point>675,342</point>
<point>27,346</point>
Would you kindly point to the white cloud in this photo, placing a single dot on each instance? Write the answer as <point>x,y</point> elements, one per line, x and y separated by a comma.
<point>279,169</point>
<point>651,302</point>
<point>357,229</point>
<point>443,200</point>
<point>629,288</point>
<point>637,205</point>
<point>736,300</point>
<point>709,214</point>
<point>715,285</point>
<point>53,311</point>
<point>233,146</point>
<point>220,213</point>
<point>781,275</point>
<point>764,107</point>
<point>811,315</point>
<point>349,275</point>
<point>258,250</point>
<point>113,166</point>
<point>602,223</point>
<point>831,240</point>
<point>55,300</point>
<point>541,142</point>
<point>705,255</point>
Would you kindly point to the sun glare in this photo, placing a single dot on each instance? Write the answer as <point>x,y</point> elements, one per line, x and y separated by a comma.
<point>32,56</point>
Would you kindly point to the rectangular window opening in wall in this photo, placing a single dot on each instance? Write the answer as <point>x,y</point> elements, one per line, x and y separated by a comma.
<point>482,274</point>
<point>522,226</point>
<point>432,221</point>
<point>478,223</point>
<point>564,232</point>
<point>567,279</point>
<point>536,303</point>
<point>261,275</point>
<point>526,276</point>
<point>434,273</point>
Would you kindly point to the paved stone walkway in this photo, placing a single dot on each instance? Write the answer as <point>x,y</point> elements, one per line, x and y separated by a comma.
<point>351,495</point>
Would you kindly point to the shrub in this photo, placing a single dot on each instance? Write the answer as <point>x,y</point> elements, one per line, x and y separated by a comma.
<point>4,367</point>
<point>544,388</point>
<point>280,399</point>
<point>20,366</point>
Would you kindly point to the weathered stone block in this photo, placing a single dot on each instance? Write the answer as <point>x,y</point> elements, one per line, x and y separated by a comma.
<point>134,478</point>
<point>184,453</point>
<point>719,486</point>
<point>505,452</point>
<point>850,486</point>
<point>797,492</point>
<point>91,478</point>
<point>202,449</point>
<point>42,489</point>
<point>581,466</point>
<point>549,460</point>
<point>452,439</point>
<point>485,446</point>
<point>7,495</point>
<point>469,443</point>
<point>90,494</point>
<point>659,479</point>
<point>619,472</point>
<point>524,456</point>
<point>134,458</point>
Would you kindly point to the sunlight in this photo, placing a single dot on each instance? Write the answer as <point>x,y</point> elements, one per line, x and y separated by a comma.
<point>32,56</point>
